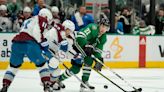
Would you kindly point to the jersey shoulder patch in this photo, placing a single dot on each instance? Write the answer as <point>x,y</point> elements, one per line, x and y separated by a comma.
<point>94,27</point>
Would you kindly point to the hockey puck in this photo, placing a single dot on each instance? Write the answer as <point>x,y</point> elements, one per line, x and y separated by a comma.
<point>105,86</point>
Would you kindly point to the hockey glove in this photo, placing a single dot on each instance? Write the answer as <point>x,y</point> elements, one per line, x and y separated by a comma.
<point>44,45</point>
<point>77,60</point>
<point>98,66</point>
<point>63,45</point>
<point>88,50</point>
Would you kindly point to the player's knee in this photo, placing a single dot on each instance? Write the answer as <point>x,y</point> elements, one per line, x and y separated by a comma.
<point>77,60</point>
<point>53,63</point>
<point>40,65</point>
<point>15,65</point>
<point>47,54</point>
<point>12,70</point>
<point>75,69</point>
<point>88,61</point>
<point>40,62</point>
<point>76,64</point>
<point>56,72</point>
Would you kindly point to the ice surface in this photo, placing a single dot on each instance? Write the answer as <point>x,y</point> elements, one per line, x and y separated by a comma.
<point>150,80</point>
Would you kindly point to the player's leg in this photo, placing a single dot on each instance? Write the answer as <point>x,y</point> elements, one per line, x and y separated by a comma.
<point>88,61</point>
<point>76,66</point>
<point>87,52</point>
<point>74,69</point>
<point>34,53</point>
<point>53,64</point>
<point>16,61</point>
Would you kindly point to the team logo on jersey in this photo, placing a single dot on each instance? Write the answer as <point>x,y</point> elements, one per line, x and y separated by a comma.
<point>94,27</point>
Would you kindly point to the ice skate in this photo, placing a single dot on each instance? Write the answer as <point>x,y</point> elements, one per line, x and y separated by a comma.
<point>61,85</point>
<point>47,87</point>
<point>4,88</point>
<point>55,87</point>
<point>84,89</point>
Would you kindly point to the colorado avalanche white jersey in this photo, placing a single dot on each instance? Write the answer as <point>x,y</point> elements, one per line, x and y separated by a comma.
<point>32,29</point>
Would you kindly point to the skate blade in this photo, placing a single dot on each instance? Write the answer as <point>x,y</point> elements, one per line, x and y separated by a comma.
<point>56,91</point>
<point>86,90</point>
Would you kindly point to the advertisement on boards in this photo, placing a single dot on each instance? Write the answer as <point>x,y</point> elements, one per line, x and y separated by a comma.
<point>155,48</point>
<point>5,46</point>
<point>121,48</point>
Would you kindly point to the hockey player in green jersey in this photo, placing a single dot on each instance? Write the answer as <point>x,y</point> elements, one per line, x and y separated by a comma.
<point>88,41</point>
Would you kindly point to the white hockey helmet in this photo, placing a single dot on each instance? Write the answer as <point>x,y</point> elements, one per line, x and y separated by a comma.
<point>46,13</point>
<point>3,7</point>
<point>27,9</point>
<point>55,9</point>
<point>69,24</point>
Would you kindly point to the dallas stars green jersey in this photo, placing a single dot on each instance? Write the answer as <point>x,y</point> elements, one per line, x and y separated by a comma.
<point>90,35</point>
<point>87,35</point>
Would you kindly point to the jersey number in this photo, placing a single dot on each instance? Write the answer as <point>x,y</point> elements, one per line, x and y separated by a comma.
<point>44,25</point>
<point>87,31</point>
<point>25,24</point>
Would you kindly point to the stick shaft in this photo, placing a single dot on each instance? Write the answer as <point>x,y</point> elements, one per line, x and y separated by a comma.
<point>109,80</point>
<point>113,72</point>
<point>53,53</point>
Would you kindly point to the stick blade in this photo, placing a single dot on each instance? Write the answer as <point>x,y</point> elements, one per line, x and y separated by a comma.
<point>137,90</point>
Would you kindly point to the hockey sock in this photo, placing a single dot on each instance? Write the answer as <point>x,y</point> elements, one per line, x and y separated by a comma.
<point>54,74</point>
<point>44,73</point>
<point>54,70</point>
<point>74,69</point>
<point>88,61</point>
<point>9,76</point>
<point>86,73</point>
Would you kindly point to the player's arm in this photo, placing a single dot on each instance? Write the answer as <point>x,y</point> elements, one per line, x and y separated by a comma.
<point>39,26</point>
<point>84,35</point>
<point>82,40</point>
<point>99,46</point>
<point>98,52</point>
<point>39,29</point>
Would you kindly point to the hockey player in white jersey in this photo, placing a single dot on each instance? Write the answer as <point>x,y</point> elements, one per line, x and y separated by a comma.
<point>30,41</point>
<point>60,38</point>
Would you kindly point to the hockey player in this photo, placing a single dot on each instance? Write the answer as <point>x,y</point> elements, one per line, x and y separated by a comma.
<point>55,14</point>
<point>30,41</point>
<point>60,38</point>
<point>89,38</point>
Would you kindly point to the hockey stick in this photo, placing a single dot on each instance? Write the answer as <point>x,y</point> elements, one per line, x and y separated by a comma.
<point>114,82</point>
<point>53,53</point>
<point>108,78</point>
<point>137,90</point>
